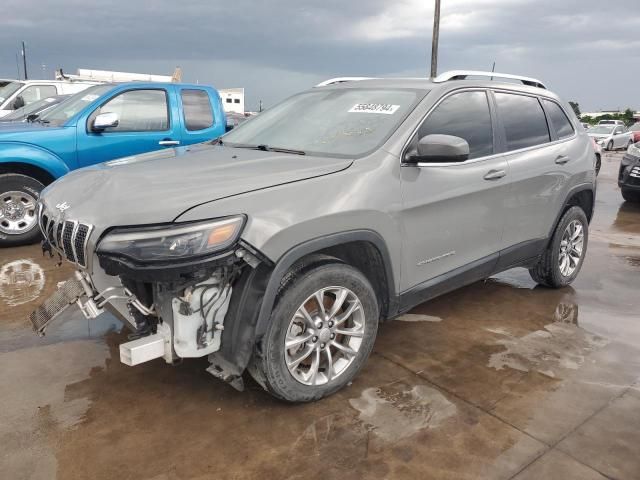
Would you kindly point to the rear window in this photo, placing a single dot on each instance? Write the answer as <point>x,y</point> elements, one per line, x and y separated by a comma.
<point>559,120</point>
<point>524,121</point>
<point>198,113</point>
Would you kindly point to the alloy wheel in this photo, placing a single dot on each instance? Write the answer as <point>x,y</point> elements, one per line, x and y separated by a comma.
<point>571,247</point>
<point>324,336</point>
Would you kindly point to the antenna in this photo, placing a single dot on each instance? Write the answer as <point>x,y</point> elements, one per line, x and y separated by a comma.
<point>24,60</point>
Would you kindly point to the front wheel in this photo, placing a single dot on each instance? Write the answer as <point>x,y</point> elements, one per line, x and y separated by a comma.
<point>610,145</point>
<point>321,333</point>
<point>18,217</point>
<point>630,195</point>
<point>598,164</point>
<point>562,260</point>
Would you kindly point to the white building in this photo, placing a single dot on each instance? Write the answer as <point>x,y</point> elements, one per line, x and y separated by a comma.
<point>232,99</point>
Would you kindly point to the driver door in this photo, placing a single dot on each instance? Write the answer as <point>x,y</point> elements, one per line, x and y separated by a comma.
<point>453,213</point>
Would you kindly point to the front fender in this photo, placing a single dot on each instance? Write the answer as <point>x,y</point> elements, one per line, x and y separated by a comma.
<point>29,154</point>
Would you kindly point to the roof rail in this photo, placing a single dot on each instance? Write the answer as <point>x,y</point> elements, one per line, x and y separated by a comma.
<point>334,81</point>
<point>463,74</point>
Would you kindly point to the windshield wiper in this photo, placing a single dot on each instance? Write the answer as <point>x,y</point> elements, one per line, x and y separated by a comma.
<point>266,148</point>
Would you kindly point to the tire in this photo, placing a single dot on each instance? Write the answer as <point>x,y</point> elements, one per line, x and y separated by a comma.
<point>18,216</point>
<point>549,271</point>
<point>630,195</point>
<point>268,365</point>
<point>598,164</point>
<point>610,145</point>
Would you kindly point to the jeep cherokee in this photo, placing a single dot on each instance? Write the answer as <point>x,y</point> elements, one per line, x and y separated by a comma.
<point>280,248</point>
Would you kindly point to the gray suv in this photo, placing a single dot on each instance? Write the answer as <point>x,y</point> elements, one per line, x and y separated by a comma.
<point>279,248</point>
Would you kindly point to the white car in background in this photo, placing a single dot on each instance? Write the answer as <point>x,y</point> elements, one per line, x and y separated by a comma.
<point>611,137</point>
<point>20,93</point>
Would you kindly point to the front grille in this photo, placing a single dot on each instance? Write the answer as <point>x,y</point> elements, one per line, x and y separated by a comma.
<point>68,237</point>
<point>635,172</point>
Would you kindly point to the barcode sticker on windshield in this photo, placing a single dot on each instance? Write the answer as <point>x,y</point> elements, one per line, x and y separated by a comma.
<point>383,108</point>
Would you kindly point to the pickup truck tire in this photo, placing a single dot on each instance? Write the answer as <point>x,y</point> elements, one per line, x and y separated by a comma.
<point>630,195</point>
<point>562,260</point>
<point>18,217</point>
<point>328,318</point>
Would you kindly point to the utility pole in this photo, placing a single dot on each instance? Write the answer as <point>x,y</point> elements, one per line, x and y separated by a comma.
<point>435,39</point>
<point>24,61</point>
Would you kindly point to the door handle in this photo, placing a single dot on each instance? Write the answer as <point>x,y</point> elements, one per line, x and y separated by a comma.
<point>562,159</point>
<point>495,174</point>
<point>169,142</point>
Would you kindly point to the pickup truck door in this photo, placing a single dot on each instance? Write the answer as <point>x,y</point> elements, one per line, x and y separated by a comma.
<point>201,115</point>
<point>145,124</point>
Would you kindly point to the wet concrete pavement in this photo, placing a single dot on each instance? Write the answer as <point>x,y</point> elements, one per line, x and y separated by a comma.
<point>497,380</point>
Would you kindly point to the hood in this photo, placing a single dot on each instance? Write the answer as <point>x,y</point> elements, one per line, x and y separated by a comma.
<point>158,187</point>
<point>23,131</point>
<point>599,135</point>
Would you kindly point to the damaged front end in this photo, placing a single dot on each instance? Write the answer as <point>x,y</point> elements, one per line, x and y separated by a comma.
<point>172,285</point>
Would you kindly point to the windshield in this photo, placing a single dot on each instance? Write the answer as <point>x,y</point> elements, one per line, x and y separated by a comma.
<point>8,90</point>
<point>35,107</point>
<point>602,129</point>
<point>347,122</point>
<point>59,114</point>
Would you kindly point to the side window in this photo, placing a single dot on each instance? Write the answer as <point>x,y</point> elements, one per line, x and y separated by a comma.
<point>559,119</point>
<point>524,121</point>
<point>465,115</point>
<point>37,92</point>
<point>138,111</point>
<point>198,114</point>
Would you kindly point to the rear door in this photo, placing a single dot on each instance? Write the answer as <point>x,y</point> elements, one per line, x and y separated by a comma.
<point>199,117</point>
<point>453,213</point>
<point>144,125</point>
<point>538,158</point>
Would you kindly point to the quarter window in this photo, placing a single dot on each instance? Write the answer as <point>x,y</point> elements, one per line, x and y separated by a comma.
<point>198,114</point>
<point>138,111</point>
<point>524,121</point>
<point>559,120</point>
<point>465,115</point>
<point>37,92</point>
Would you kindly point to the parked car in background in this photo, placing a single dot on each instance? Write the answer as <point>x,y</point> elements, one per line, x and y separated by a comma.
<point>102,123</point>
<point>30,112</point>
<point>611,137</point>
<point>236,119</point>
<point>281,247</point>
<point>20,93</point>
<point>629,174</point>
<point>598,149</point>
<point>611,122</point>
<point>635,129</point>
<point>5,81</point>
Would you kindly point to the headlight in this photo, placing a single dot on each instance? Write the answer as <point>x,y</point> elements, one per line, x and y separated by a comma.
<point>179,241</point>
<point>634,149</point>
<point>600,142</point>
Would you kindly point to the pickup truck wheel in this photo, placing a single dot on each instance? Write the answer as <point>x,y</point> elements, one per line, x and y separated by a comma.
<point>630,196</point>
<point>18,217</point>
<point>321,333</point>
<point>561,261</point>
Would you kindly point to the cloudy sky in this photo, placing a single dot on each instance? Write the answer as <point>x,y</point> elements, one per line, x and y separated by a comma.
<point>586,50</point>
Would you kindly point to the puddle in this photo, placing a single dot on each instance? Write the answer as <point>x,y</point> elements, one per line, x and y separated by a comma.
<point>560,346</point>
<point>413,317</point>
<point>516,278</point>
<point>398,411</point>
<point>21,281</point>
<point>619,239</point>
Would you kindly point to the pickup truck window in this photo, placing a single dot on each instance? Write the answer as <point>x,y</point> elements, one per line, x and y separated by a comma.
<point>198,114</point>
<point>37,92</point>
<point>138,111</point>
<point>59,114</point>
<point>9,89</point>
<point>327,122</point>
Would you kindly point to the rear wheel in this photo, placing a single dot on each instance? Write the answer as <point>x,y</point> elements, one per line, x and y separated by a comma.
<point>18,217</point>
<point>630,195</point>
<point>562,260</point>
<point>321,333</point>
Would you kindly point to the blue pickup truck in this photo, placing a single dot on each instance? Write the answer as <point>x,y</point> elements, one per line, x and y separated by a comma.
<point>101,123</point>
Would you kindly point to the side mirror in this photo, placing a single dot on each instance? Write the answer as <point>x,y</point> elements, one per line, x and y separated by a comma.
<point>105,120</point>
<point>440,149</point>
<point>18,102</point>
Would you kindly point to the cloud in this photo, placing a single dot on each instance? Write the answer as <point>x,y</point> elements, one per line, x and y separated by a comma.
<point>275,48</point>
